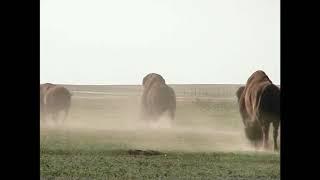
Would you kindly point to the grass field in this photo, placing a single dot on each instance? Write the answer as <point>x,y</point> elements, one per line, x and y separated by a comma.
<point>206,140</point>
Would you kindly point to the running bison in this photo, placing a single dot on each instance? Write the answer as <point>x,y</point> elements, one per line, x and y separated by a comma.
<point>157,98</point>
<point>259,106</point>
<point>54,99</point>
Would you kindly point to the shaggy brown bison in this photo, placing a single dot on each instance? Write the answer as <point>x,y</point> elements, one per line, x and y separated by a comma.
<point>157,98</point>
<point>43,89</point>
<point>53,99</point>
<point>259,106</point>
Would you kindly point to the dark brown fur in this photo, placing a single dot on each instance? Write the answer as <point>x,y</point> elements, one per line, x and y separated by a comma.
<point>157,98</point>
<point>53,99</point>
<point>259,106</point>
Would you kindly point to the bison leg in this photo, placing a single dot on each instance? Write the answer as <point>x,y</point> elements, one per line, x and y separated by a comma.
<point>265,131</point>
<point>55,116</point>
<point>66,113</point>
<point>275,135</point>
<point>44,114</point>
<point>172,114</point>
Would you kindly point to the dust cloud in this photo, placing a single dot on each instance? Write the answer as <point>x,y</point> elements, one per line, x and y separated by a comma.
<point>110,120</point>
<point>163,134</point>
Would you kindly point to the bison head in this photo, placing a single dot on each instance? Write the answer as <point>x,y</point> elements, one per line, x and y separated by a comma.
<point>239,92</point>
<point>44,88</point>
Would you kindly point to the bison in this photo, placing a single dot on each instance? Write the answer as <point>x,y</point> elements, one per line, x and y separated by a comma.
<point>157,98</point>
<point>43,89</point>
<point>259,106</point>
<point>53,99</point>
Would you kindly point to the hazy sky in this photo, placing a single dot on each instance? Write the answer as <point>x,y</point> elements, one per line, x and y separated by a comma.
<point>186,41</point>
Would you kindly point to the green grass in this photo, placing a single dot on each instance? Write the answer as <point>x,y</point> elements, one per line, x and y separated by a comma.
<point>66,153</point>
<point>118,164</point>
<point>206,140</point>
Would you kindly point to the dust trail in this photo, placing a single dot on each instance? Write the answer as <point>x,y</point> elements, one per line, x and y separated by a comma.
<point>196,128</point>
<point>162,135</point>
